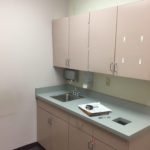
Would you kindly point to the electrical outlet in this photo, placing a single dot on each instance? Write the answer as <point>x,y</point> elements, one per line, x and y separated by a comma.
<point>107,81</point>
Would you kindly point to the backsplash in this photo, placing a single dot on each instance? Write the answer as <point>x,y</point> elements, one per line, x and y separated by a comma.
<point>130,89</point>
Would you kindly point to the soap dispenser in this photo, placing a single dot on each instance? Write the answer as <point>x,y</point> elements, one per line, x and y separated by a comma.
<point>87,80</point>
<point>70,75</point>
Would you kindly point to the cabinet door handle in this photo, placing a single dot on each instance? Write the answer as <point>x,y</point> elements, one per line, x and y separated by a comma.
<point>68,62</point>
<point>93,143</point>
<point>90,145</point>
<point>116,68</point>
<point>79,125</point>
<point>50,121</point>
<point>112,68</point>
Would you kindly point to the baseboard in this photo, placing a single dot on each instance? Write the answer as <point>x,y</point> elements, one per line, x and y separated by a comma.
<point>26,147</point>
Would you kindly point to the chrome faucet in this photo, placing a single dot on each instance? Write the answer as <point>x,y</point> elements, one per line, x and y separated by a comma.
<point>75,92</point>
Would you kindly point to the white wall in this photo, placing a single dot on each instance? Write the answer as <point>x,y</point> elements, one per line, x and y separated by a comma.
<point>25,63</point>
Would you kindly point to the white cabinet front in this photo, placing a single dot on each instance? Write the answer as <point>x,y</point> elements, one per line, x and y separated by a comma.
<point>133,40</point>
<point>102,40</point>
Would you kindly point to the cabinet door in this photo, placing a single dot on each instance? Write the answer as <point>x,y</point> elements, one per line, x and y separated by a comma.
<point>102,40</point>
<point>78,42</point>
<point>133,44</point>
<point>52,131</point>
<point>44,128</point>
<point>59,134</point>
<point>78,140</point>
<point>60,42</point>
<point>102,146</point>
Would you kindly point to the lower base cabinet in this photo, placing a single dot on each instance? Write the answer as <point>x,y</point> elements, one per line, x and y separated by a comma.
<point>44,130</point>
<point>99,145</point>
<point>82,137</point>
<point>59,130</point>
<point>78,140</point>
<point>52,131</point>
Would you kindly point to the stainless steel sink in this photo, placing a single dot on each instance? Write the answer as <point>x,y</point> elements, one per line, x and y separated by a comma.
<point>67,97</point>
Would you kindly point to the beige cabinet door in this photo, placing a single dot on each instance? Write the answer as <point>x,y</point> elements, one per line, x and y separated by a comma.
<point>133,40</point>
<point>102,146</point>
<point>60,42</point>
<point>102,40</point>
<point>78,42</point>
<point>59,134</point>
<point>44,128</point>
<point>78,140</point>
<point>52,131</point>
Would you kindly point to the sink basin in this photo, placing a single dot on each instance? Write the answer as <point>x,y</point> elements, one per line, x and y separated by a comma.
<point>67,97</point>
<point>122,121</point>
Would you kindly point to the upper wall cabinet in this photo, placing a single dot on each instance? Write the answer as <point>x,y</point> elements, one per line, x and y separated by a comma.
<point>133,40</point>
<point>60,42</point>
<point>110,41</point>
<point>102,40</point>
<point>70,42</point>
<point>78,42</point>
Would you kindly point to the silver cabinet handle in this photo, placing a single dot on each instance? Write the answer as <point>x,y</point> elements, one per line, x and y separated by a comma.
<point>112,68</point>
<point>91,144</point>
<point>67,63</point>
<point>80,126</point>
<point>116,68</point>
<point>50,121</point>
<point>90,147</point>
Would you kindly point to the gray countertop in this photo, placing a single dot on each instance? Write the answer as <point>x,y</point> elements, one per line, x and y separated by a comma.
<point>139,115</point>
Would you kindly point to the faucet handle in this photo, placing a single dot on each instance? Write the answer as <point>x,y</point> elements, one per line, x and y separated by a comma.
<point>75,92</point>
<point>78,94</point>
